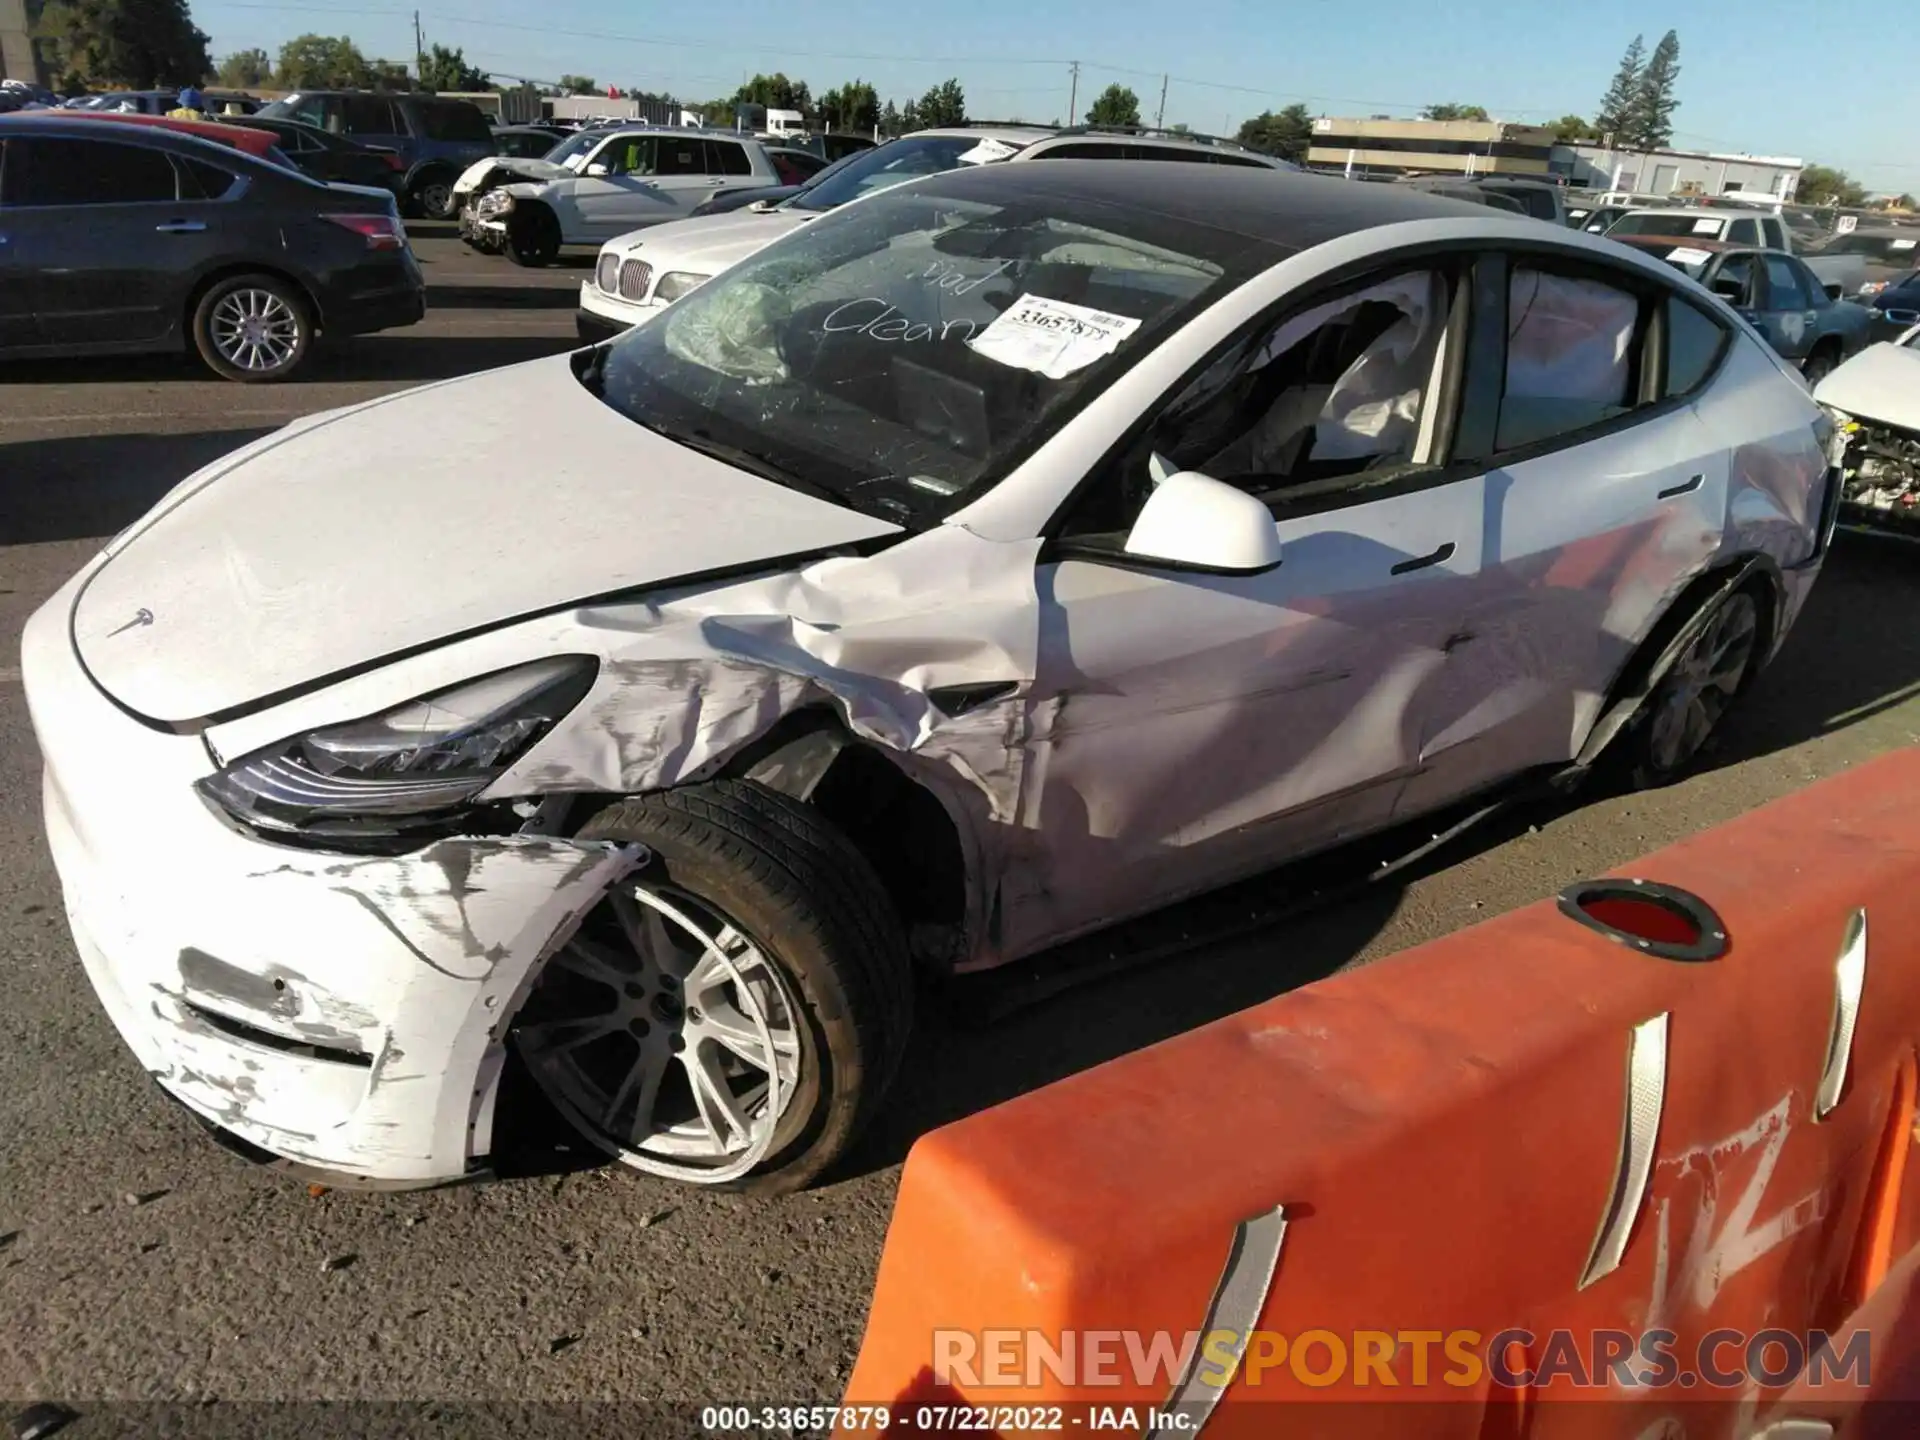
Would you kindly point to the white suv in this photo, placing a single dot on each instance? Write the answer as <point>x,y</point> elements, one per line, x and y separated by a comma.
<point>640,274</point>
<point>615,181</point>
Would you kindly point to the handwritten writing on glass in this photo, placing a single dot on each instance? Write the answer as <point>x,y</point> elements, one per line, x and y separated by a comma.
<point>876,319</point>
<point>944,275</point>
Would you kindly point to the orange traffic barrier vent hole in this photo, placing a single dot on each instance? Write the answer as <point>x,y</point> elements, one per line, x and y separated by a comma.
<point>1654,919</point>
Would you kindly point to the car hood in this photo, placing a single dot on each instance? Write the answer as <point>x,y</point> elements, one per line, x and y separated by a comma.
<point>371,532</point>
<point>1880,384</point>
<point>711,243</point>
<point>526,169</point>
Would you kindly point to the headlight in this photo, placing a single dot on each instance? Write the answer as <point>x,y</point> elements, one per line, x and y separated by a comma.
<point>672,286</point>
<point>412,767</point>
<point>494,202</point>
<point>1873,287</point>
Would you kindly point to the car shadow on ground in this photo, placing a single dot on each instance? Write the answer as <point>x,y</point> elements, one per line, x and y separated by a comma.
<point>1851,655</point>
<point>501,297</point>
<point>80,487</point>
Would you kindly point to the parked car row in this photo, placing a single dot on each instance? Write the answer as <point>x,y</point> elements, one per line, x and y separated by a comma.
<point>126,233</point>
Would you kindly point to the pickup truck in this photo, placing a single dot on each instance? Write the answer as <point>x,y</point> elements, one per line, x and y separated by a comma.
<point>1692,225</point>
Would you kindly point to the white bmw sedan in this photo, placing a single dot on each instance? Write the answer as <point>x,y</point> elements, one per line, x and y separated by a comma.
<point>1011,553</point>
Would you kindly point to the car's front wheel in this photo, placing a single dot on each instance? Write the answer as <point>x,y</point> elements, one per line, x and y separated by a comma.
<point>252,328</point>
<point>1820,364</point>
<point>731,1013</point>
<point>435,198</point>
<point>533,236</point>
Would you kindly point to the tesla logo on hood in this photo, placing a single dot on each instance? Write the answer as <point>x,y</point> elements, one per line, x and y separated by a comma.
<point>142,616</point>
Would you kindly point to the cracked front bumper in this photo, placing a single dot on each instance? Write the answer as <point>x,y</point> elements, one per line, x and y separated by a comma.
<point>342,1012</point>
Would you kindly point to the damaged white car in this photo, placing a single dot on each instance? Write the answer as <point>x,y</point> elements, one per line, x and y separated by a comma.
<point>1877,393</point>
<point>1010,553</point>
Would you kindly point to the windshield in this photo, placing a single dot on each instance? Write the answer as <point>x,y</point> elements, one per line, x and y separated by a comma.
<point>1707,226</point>
<point>905,353</point>
<point>899,160</point>
<point>574,145</point>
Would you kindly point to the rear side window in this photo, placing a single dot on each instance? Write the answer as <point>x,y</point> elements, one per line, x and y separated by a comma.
<point>369,115</point>
<point>1570,356</point>
<point>1694,343</point>
<point>726,158</point>
<point>88,172</point>
<point>1783,285</point>
<point>453,120</point>
<point>1089,151</point>
<point>681,157</point>
<point>1776,234</point>
<point>200,180</point>
<point>1744,232</point>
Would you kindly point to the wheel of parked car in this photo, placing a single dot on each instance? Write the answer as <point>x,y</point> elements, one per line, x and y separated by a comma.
<point>434,195</point>
<point>533,235</point>
<point>252,327</point>
<point>1688,704</point>
<point>731,1013</point>
<point>1820,364</point>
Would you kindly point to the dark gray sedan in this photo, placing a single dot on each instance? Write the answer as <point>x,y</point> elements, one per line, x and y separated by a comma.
<point>1805,321</point>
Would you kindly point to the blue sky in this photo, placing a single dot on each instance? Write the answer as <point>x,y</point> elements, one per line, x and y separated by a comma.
<point>1759,76</point>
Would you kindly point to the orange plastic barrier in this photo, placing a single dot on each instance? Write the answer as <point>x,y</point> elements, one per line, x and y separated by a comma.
<point>1464,1177</point>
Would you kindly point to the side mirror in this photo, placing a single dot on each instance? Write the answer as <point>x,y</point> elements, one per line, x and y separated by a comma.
<point>599,167</point>
<point>1730,291</point>
<point>1194,520</point>
<point>1834,292</point>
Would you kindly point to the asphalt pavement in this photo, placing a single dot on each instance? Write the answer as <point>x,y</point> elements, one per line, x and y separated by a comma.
<point>139,1262</point>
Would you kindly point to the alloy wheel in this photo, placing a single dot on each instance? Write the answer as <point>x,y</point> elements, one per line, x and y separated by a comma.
<point>665,1035</point>
<point>255,330</point>
<point>1702,683</point>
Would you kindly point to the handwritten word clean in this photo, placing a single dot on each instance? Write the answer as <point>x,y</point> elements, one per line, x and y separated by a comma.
<point>881,321</point>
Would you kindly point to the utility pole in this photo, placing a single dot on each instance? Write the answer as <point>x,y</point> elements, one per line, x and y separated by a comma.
<point>419,50</point>
<point>1073,94</point>
<point>1160,116</point>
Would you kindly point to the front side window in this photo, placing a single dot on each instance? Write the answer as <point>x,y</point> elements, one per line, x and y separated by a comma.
<point>369,115</point>
<point>88,172</point>
<point>905,353</point>
<point>898,161</point>
<point>1570,355</point>
<point>1776,234</point>
<point>1746,232</point>
<point>627,155</point>
<point>319,111</point>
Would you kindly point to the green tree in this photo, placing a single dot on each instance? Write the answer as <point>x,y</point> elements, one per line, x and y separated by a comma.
<point>137,43</point>
<point>890,120</point>
<point>1115,105</point>
<point>1571,129</point>
<point>852,106</point>
<point>321,61</point>
<point>910,120</point>
<point>1615,114</point>
<point>1825,185</point>
<point>1286,134</point>
<point>1650,120</point>
<point>444,69</point>
<point>944,104</point>
<point>579,85</point>
<point>1903,202</point>
<point>1453,111</point>
<point>774,91</point>
<point>245,69</point>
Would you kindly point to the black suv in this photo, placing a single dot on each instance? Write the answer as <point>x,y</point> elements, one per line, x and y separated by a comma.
<point>436,138</point>
<point>121,239</point>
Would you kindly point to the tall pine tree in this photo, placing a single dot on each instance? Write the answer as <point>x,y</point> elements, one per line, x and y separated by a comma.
<point>1616,106</point>
<point>1650,121</point>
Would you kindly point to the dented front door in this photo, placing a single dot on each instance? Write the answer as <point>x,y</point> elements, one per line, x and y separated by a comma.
<point>1189,729</point>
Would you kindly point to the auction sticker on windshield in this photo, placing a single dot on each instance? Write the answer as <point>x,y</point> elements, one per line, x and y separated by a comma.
<point>1051,337</point>
<point>1687,255</point>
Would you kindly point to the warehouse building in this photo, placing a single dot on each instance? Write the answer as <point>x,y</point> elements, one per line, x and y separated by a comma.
<point>1679,172</point>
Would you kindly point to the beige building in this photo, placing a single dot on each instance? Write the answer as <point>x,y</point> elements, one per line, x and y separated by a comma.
<point>17,60</point>
<point>1430,147</point>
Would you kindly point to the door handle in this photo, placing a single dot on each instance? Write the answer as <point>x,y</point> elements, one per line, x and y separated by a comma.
<point>181,227</point>
<point>1687,487</point>
<point>1421,562</point>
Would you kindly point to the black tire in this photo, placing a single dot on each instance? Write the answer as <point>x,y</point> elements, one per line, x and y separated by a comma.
<point>533,236</point>
<point>433,195</point>
<point>285,322</point>
<point>1656,753</point>
<point>801,892</point>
